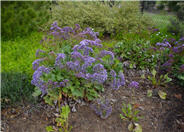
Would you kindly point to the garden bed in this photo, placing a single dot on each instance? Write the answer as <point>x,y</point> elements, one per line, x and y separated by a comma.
<point>158,115</point>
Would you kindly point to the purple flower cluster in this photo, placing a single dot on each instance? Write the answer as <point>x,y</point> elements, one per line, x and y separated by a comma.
<point>38,52</point>
<point>182,68</point>
<point>117,82</point>
<point>134,84</point>
<point>57,84</point>
<point>37,79</point>
<point>102,108</point>
<point>90,32</point>
<point>166,44</point>
<point>60,56</point>
<point>36,63</point>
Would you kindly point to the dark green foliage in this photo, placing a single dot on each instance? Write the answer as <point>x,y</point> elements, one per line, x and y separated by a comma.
<point>15,87</point>
<point>137,51</point>
<point>176,27</point>
<point>22,17</point>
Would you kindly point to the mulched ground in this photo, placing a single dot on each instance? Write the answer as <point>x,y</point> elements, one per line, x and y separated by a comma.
<point>158,115</point>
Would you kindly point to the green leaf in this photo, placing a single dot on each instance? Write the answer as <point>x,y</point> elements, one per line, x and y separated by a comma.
<point>37,92</point>
<point>138,128</point>
<point>153,72</point>
<point>49,129</point>
<point>162,94</point>
<point>143,76</point>
<point>130,127</point>
<point>77,93</point>
<point>149,93</point>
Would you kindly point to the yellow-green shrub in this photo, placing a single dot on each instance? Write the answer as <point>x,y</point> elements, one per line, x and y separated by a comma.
<point>124,16</point>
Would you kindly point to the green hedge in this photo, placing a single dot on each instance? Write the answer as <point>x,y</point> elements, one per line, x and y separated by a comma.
<point>122,17</point>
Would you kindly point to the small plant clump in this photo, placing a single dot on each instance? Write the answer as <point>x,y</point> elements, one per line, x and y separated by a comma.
<point>131,115</point>
<point>103,108</point>
<point>62,121</point>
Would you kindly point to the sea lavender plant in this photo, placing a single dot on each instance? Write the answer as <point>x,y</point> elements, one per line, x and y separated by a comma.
<point>103,108</point>
<point>117,82</point>
<point>81,66</point>
<point>134,84</point>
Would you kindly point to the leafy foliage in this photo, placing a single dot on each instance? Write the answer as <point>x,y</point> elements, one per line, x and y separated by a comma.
<point>138,52</point>
<point>79,73</point>
<point>16,59</point>
<point>62,121</point>
<point>129,113</point>
<point>19,18</point>
<point>123,16</point>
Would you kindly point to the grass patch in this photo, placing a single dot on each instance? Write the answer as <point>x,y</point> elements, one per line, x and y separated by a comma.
<point>160,20</point>
<point>17,57</point>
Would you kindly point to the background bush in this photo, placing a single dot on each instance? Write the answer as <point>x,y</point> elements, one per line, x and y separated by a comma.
<point>121,17</point>
<point>21,17</point>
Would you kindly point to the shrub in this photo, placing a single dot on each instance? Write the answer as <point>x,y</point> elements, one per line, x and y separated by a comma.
<point>176,27</point>
<point>15,87</point>
<point>20,18</point>
<point>172,57</point>
<point>103,18</point>
<point>81,73</point>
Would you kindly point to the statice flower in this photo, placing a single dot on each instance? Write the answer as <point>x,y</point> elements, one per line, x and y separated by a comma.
<point>90,32</point>
<point>182,68</point>
<point>36,63</point>
<point>168,63</point>
<point>36,80</point>
<point>60,56</point>
<point>75,66</point>
<point>102,108</point>
<point>122,79</point>
<point>87,50</point>
<point>98,67</point>
<point>134,84</point>
<point>88,61</point>
<point>77,28</point>
<point>166,44</point>
<point>100,77</point>
<point>105,52</point>
<point>38,52</point>
<point>76,54</point>
<point>80,75</point>
<point>117,82</point>
<point>181,39</point>
<point>113,73</point>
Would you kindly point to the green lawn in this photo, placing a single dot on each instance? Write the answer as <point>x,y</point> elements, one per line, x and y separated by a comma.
<point>160,20</point>
<point>17,55</point>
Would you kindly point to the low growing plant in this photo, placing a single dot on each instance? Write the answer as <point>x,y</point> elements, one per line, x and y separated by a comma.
<point>158,80</point>
<point>131,115</point>
<point>62,121</point>
<point>137,51</point>
<point>172,57</point>
<point>103,108</point>
<point>80,73</point>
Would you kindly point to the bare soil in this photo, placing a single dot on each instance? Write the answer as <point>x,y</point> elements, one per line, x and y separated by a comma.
<point>158,115</point>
